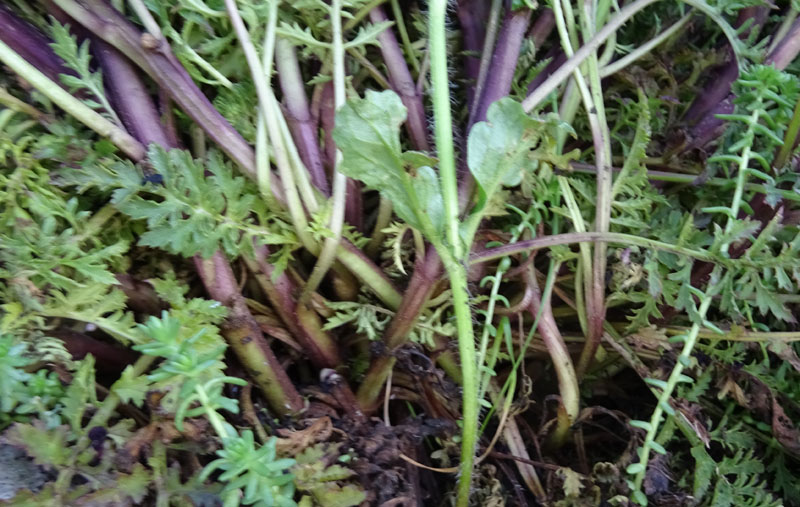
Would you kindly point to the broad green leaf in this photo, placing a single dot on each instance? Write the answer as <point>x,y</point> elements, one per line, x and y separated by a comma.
<point>368,134</point>
<point>499,149</point>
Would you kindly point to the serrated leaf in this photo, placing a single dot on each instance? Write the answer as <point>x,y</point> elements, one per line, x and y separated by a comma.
<point>48,447</point>
<point>130,387</point>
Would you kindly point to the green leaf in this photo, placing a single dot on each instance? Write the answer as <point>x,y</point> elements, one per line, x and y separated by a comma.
<point>130,387</point>
<point>368,134</point>
<point>47,447</point>
<point>635,468</point>
<point>80,393</point>
<point>500,151</point>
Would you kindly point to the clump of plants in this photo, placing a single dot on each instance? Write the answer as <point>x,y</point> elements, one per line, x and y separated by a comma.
<point>396,252</point>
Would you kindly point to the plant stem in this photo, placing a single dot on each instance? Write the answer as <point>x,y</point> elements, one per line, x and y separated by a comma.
<point>401,27</point>
<point>789,140</point>
<point>297,109</point>
<point>162,66</point>
<point>403,83</point>
<point>673,380</point>
<point>130,96</point>
<point>639,52</point>
<point>302,323</point>
<point>595,110</point>
<point>501,71</point>
<point>581,237</point>
<point>453,253</point>
<point>336,225</point>
<point>71,105</point>
<point>244,336</point>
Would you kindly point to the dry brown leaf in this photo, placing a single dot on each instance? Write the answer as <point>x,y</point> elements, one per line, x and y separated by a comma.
<point>295,441</point>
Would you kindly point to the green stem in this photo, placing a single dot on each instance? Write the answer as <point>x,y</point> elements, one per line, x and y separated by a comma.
<point>595,109</point>
<point>688,179</point>
<point>454,252</point>
<point>401,27</point>
<point>673,380</point>
<point>789,140</point>
<point>263,174</point>
<point>328,252</point>
<point>274,135</point>
<point>645,48</point>
<point>72,106</point>
<point>212,415</point>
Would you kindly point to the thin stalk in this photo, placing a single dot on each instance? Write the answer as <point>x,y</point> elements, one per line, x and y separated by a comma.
<point>361,14</point>
<point>328,252</point>
<point>211,414</point>
<point>486,56</point>
<point>294,96</point>
<point>401,27</point>
<point>607,237</point>
<point>504,59</point>
<point>562,362</point>
<point>593,289</point>
<point>741,178</point>
<point>300,174</point>
<point>14,104</point>
<point>382,221</point>
<point>403,83</point>
<point>614,67</point>
<point>688,179</point>
<point>595,109</point>
<point>265,100</point>
<point>71,105</point>
<point>789,140</point>
<point>454,253</point>
<point>663,400</point>
<point>303,324</point>
<point>263,173</point>
<point>556,78</point>
<point>146,18</point>
<point>368,274</point>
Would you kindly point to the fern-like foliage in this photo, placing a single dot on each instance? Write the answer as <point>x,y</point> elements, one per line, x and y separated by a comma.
<point>200,207</point>
<point>371,320</point>
<point>84,79</point>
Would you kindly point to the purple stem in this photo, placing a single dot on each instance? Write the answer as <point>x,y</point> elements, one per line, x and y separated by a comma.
<point>402,83</point>
<point>542,28</point>
<point>298,114</point>
<point>472,15</point>
<point>302,322</point>
<point>787,49</point>
<point>157,60</point>
<point>130,97</point>
<point>31,45</point>
<point>718,99</point>
<point>504,60</point>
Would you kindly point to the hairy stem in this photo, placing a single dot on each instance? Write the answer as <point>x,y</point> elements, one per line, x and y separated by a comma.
<point>453,252</point>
